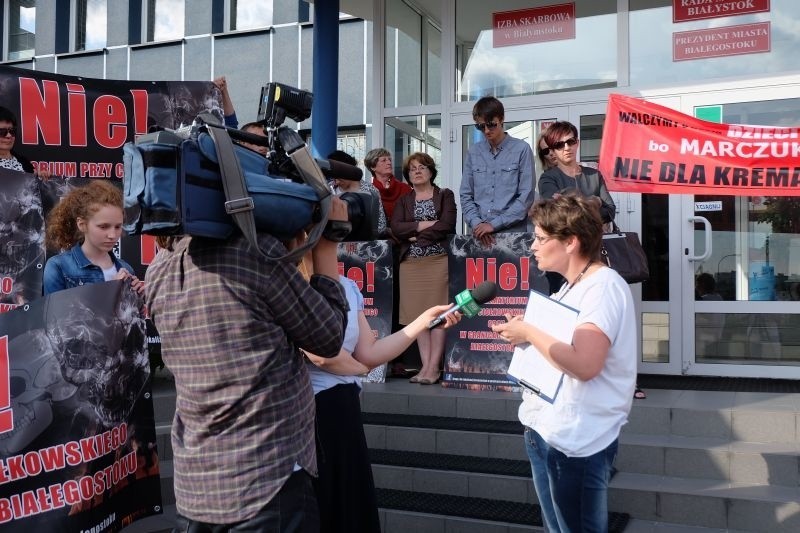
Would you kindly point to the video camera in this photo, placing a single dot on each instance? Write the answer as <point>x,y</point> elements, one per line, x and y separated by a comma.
<point>177,182</point>
<point>278,102</point>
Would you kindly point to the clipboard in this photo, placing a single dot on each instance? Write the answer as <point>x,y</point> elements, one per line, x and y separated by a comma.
<point>528,367</point>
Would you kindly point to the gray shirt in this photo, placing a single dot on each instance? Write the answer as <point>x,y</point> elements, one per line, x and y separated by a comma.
<point>498,187</point>
<point>589,183</point>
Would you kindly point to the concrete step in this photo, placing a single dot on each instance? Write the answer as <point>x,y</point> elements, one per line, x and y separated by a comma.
<point>394,521</point>
<point>706,502</point>
<point>735,416</point>
<point>468,483</point>
<point>167,473</point>
<point>689,461</point>
<point>163,386</point>
<point>446,441</point>
<point>455,475</point>
<point>648,526</point>
<point>752,463</point>
<point>677,501</point>
<point>400,397</point>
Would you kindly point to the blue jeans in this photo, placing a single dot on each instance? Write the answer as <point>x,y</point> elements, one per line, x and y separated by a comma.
<point>292,510</point>
<point>572,491</point>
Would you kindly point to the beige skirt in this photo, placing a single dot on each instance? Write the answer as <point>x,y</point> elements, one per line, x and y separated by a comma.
<point>423,284</point>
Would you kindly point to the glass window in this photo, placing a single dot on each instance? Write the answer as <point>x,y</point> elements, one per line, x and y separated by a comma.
<point>747,338</point>
<point>21,29</point>
<point>413,55</point>
<point>655,241</point>
<point>406,135</point>
<point>523,47</point>
<point>433,66</point>
<point>662,51</point>
<point>756,239</point>
<point>249,14</point>
<point>655,337</point>
<point>91,23</point>
<point>165,19</point>
<point>355,144</point>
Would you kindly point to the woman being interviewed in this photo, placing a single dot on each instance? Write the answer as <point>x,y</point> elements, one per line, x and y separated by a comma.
<point>422,221</point>
<point>572,443</point>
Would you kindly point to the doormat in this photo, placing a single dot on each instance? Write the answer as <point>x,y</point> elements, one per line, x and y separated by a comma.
<point>710,383</point>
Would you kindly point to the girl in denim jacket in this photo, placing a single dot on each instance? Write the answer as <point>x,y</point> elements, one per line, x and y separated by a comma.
<point>86,224</point>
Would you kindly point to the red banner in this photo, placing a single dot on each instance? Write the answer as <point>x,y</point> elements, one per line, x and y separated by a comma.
<point>649,148</point>
<point>683,10</point>
<point>535,25</point>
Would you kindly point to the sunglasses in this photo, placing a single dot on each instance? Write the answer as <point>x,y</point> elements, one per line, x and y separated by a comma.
<point>6,131</point>
<point>572,141</point>
<point>544,152</point>
<point>480,126</point>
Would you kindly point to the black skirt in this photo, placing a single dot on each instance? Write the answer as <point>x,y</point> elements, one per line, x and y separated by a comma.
<point>345,488</point>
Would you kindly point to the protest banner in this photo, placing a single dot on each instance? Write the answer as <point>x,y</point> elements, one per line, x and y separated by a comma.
<point>475,356</point>
<point>369,265</point>
<point>649,148</point>
<point>77,436</point>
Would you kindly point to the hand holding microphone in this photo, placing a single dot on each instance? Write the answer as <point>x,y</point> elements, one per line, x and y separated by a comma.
<point>468,302</point>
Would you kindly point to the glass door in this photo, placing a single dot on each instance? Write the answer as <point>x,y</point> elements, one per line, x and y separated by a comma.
<point>740,285</point>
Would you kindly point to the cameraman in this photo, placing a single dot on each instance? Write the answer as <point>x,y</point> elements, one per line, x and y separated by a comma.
<point>231,328</point>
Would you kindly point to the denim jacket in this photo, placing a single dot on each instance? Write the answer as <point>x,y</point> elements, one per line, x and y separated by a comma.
<point>71,269</point>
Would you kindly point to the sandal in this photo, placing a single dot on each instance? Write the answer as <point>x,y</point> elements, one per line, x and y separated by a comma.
<point>427,381</point>
<point>415,379</point>
<point>639,394</point>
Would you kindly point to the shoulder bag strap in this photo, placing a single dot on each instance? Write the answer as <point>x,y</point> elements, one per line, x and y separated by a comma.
<point>238,202</point>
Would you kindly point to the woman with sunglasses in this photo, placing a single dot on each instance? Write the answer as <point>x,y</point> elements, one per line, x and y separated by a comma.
<point>547,157</point>
<point>8,157</point>
<point>569,174</point>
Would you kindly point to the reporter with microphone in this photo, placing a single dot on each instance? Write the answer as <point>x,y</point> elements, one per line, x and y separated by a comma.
<point>422,222</point>
<point>344,488</point>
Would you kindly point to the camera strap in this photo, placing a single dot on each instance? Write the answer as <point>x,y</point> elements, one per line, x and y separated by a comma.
<point>238,203</point>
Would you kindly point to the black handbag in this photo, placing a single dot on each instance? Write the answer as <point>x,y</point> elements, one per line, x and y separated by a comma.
<point>622,251</point>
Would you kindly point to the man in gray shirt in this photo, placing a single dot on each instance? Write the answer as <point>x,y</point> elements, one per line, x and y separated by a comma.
<point>497,185</point>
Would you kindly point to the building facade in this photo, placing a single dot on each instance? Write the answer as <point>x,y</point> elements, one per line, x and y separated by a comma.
<point>410,71</point>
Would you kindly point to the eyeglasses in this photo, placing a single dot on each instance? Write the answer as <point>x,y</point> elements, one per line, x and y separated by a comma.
<point>480,126</point>
<point>544,152</point>
<point>415,169</point>
<point>7,131</point>
<point>541,239</point>
<point>572,141</point>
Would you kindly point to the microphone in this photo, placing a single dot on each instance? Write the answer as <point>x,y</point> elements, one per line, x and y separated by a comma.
<point>468,302</point>
<point>336,169</point>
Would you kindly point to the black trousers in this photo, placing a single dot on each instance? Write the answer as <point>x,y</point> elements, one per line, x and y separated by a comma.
<point>292,510</point>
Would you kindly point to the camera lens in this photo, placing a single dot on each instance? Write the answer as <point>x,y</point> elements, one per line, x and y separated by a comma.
<point>362,214</point>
